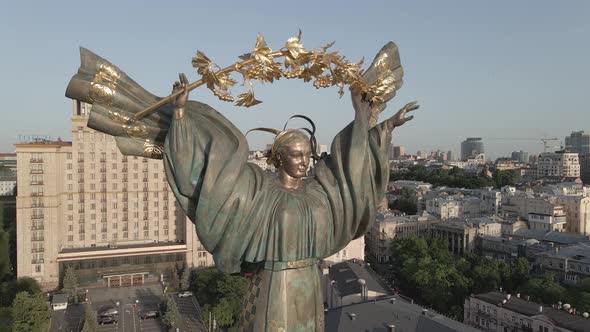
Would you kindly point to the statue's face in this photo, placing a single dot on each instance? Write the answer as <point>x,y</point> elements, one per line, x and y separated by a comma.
<point>294,158</point>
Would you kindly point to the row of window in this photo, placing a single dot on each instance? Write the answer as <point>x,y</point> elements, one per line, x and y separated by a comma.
<point>114,236</point>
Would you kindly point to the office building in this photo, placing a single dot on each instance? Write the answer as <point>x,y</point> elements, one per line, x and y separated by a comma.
<point>578,142</point>
<point>520,156</point>
<point>472,146</point>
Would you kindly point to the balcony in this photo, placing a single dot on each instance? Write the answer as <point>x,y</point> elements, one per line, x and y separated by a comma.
<point>37,205</point>
<point>80,180</point>
<point>35,250</point>
<point>103,170</point>
<point>36,171</point>
<point>39,238</point>
<point>37,194</point>
<point>36,261</point>
<point>36,160</point>
<point>103,210</point>
<point>37,216</point>
<point>37,227</point>
<point>103,160</point>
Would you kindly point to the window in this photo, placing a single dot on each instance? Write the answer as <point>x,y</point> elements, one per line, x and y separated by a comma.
<point>37,268</point>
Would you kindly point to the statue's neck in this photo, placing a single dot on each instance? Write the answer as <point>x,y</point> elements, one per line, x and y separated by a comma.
<point>289,182</point>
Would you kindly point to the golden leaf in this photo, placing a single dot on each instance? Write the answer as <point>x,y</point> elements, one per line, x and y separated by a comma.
<point>245,56</point>
<point>247,99</point>
<point>210,79</point>
<point>261,50</point>
<point>294,46</point>
<point>201,62</point>
<point>327,46</point>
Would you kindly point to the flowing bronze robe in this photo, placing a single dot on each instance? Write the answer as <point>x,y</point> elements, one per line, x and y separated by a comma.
<point>241,213</point>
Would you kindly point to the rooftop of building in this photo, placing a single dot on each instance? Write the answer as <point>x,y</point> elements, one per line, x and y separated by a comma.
<point>378,315</point>
<point>348,273</point>
<point>7,155</point>
<point>528,308</point>
<point>555,237</point>
<point>399,219</point>
<point>579,252</point>
<point>45,142</point>
<point>500,239</point>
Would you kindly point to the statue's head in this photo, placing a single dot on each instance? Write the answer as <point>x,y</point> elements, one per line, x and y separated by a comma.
<point>291,153</point>
<point>292,149</point>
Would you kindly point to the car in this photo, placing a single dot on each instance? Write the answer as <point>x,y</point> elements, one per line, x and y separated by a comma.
<point>107,320</point>
<point>109,312</point>
<point>150,315</point>
<point>185,294</point>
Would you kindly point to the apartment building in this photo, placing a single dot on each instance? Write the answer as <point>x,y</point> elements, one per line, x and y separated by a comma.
<point>387,227</point>
<point>570,263</point>
<point>499,312</point>
<point>111,217</point>
<point>558,164</point>
<point>577,211</point>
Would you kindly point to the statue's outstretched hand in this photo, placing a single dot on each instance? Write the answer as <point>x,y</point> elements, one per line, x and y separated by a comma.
<point>400,117</point>
<point>180,101</point>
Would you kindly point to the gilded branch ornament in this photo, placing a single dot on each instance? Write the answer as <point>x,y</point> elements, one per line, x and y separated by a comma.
<point>322,67</point>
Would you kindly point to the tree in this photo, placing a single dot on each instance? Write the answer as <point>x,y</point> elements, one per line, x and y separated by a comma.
<point>406,202</point>
<point>90,324</point>
<point>30,312</point>
<point>27,284</point>
<point>5,270</point>
<point>544,290</point>
<point>171,316</point>
<point>221,294</point>
<point>185,278</point>
<point>174,281</point>
<point>70,281</point>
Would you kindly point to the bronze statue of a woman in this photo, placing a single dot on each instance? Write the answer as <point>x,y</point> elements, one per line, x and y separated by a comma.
<point>242,214</point>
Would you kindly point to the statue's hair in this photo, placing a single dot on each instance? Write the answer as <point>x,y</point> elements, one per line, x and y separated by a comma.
<point>285,136</point>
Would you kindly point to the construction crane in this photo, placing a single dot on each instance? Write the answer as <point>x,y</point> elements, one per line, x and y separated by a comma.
<point>546,144</point>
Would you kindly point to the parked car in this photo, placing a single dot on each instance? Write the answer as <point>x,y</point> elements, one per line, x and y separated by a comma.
<point>150,315</point>
<point>109,312</point>
<point>107,320</point>
<point>185,294</point>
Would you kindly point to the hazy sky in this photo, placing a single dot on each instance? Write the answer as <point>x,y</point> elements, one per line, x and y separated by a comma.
<point>495,69</point>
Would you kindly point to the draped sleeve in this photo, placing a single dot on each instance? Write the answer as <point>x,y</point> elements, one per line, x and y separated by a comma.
<point>205,158</point>
<point>354,177</point>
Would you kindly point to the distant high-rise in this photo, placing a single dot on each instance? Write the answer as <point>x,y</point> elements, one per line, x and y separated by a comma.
<point>520,156</point>
<point>397,151</point>
<point>471,146</point>
<point>585,168</point>
<point>578,141</point>
<point>450,156</point>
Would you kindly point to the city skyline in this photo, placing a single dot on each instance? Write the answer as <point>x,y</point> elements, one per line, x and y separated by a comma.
<point>494,70</point>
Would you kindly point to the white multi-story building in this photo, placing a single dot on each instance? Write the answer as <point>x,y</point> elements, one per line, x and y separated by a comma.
<point>499,312</point>
<point>111,217</point>
<point>387,227</point>
<point>577,210</point>
<point>558,164</point>
<point>7,183</point>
